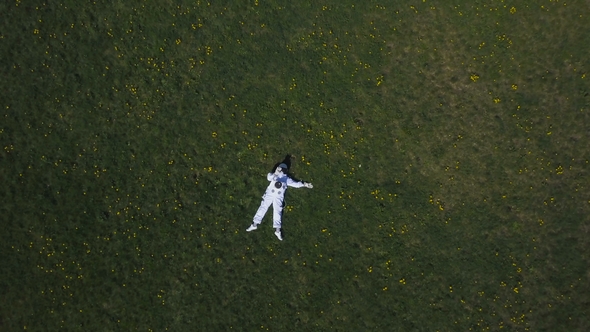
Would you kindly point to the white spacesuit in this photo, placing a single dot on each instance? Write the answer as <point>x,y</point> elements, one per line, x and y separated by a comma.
<point>275,194</point>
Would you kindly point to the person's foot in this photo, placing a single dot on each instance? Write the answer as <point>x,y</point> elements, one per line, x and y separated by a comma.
<point>252,227</point>
<point>278,234</point>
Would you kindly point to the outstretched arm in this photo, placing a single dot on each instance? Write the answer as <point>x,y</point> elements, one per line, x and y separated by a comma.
<point>298,184</point>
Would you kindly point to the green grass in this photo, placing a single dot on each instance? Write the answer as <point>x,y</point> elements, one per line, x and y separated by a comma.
<point>447,143</point>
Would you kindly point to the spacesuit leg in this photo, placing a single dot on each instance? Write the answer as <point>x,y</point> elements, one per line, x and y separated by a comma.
<point>264,205</point>
<point>277,206</point>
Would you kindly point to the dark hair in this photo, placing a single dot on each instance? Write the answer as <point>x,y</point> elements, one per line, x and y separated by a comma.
<point>286,161</point>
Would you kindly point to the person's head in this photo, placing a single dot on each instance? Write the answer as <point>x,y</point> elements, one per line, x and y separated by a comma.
<point>284,167</point>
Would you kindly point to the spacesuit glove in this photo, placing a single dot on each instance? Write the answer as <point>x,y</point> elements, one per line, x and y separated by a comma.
<point>278,171</point>
<point>308,185</point>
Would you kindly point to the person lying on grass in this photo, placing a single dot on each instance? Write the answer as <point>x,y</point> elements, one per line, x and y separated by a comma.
<point>275,195</point>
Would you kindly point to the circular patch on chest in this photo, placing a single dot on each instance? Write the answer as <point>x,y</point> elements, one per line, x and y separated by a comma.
<point>278,185</point>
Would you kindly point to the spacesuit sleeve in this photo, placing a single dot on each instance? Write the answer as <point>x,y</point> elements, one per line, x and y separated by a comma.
<point>274,168</point>
<point>294,184</point>
<point>269,176</point>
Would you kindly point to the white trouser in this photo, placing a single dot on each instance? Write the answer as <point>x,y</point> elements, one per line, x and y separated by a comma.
<point>277,206</point>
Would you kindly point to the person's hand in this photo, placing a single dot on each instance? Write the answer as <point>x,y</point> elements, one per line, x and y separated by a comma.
<point>278,171</point>
<point>308,185</point>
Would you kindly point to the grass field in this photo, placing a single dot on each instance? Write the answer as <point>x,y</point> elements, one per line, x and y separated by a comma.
<point>448,143</point>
